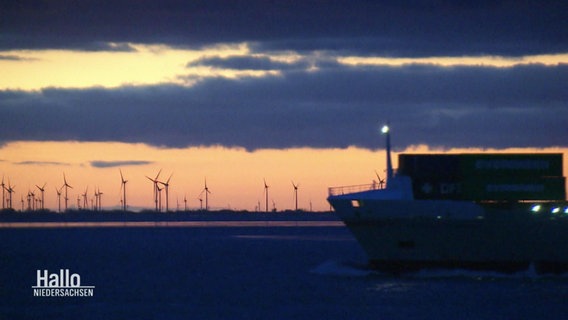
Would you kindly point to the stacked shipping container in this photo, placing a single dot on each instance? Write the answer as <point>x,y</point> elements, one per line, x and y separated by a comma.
<point>485,177</point>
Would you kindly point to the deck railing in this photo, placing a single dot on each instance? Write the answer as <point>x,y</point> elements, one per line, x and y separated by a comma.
<point>337,191</point>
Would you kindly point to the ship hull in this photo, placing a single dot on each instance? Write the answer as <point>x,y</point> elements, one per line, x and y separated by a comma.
<point>409,235</point>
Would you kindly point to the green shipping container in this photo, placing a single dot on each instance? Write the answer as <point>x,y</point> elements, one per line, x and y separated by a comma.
<point>465,166</point>
<point>512,165</point>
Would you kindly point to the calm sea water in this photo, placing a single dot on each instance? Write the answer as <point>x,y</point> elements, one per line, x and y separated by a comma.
<point>262,272</point>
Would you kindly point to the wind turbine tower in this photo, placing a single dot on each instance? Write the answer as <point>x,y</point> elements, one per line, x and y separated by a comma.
<point>296,193</point>
<point>166,186</point>
<point>207,192</point>
<point>85,201</point>
<point>98,200</point>
<point>159,197</point>
<point>32,200</point>
<point>10,191</point>
<point>266,194</point>
<point>42,190</point>
<point>123,189</point>
<point>3,193</point>
<point>66,186</point>
<point>59,198</point>
<point>155,181</point>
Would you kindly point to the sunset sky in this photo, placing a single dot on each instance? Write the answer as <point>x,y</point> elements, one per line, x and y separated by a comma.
<point>241,91</point>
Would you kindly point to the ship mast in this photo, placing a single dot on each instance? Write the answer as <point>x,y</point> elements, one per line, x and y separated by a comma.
<point>386,131</point>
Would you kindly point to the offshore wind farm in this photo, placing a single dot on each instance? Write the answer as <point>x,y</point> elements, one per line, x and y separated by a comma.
<point>159,201</point>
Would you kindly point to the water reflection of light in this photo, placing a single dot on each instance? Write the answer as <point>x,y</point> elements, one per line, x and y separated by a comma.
<point>393,287</point>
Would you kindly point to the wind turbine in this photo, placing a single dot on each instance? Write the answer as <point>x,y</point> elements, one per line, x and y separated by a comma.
<point>167,185</point>
<point>296,193</point>
<point>67,186</point>
<point>42,189</point>
<point>98,199</point>
<point>10,191</point>
<point>85,201</point>
<point>159,197</point>
<point>31,195</point>
<point>123,189</point>
<point>206,190</point>
<point>266,193</point>
<point>3,193</point>
<point>95,203</point>
<point>59,197</point>
<point>381,181</point>
<point>29,199</point>
<point>155,181</point>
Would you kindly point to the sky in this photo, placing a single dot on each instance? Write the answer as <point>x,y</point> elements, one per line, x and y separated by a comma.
<point>238,92</point>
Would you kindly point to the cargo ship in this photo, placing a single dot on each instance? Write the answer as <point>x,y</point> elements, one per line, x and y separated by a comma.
<point>485,211</point>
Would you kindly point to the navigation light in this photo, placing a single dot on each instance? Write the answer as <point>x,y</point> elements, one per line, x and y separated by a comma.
<point>536,208</point>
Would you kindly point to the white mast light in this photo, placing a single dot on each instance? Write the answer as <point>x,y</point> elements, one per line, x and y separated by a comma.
<point>386,131</point>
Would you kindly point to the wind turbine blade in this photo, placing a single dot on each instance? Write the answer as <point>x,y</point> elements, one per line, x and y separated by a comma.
<point>121,176</point>
<point>158,175</point>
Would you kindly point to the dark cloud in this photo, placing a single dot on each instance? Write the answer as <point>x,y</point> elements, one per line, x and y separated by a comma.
<point>522,106</point>
<point>247,63</point>
<point>10,57</point>
<point>110,164</point>
<point>388,27</point>
<point>42,163</point>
